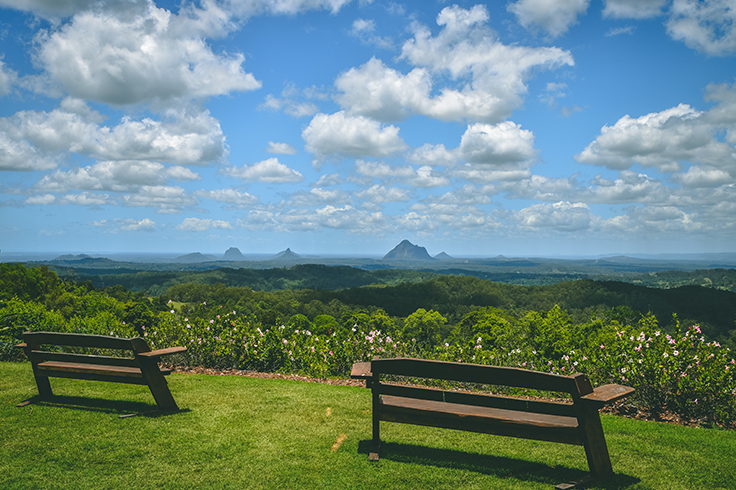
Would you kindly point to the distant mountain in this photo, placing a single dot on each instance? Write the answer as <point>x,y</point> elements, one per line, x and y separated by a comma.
<point>233,253</point>
<point>286,255</point>
<point>407,251</point>
<point>195,257</point>
<point>69,257</point>
<point>442,256</point>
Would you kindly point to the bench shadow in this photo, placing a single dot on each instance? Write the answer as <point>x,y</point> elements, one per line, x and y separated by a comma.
<point>121,408</point>
<point>498,466</point>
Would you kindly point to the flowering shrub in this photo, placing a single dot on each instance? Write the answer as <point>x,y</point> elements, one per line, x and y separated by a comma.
<point>681,372</point>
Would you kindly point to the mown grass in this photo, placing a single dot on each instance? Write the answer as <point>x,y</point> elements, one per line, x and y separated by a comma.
<point>236,432</point>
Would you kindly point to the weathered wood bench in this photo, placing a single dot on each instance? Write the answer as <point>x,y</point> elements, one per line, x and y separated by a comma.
<point>140,368</point>
<point>569,423</point>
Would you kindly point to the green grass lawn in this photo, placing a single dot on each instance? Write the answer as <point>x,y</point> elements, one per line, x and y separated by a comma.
<point>250,433</point>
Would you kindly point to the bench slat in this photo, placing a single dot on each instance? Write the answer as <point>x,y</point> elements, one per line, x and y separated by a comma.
<point>41,356</point>
<point>496,421</point>
<point>77,339</point>
<point>488,401</point>
<point>475,373</point>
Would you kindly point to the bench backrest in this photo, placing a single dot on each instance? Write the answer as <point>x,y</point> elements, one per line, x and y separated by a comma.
<point>34,341</point>
<point>577,385</point>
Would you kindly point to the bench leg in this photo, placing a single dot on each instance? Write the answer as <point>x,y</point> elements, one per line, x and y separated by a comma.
<point>375,450</point>
<point>44,386</point>
<point>158,386</point>
<point>596,450</point>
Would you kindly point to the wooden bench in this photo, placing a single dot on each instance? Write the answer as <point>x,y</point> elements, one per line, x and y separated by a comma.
<point>569,423</point>
<point>140,368</point>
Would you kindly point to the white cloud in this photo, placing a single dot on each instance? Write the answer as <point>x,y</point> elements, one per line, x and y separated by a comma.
<point>44,199</point>
<point>7,78</point>
<point>344,218</point>
<point>49,8</point>
<point>700,176</point>
<point>146,55</point>
<point>406,174</point>
<point>661,140</point>
<point>379,194</point>
<point>87,199</point>
<point>229,196</point>
<point>562,216</point>
<point>365,31</point>
<point>167,200</point>
<point>122,176</point>
<point>433,155</point>
<point>35,140</point>
<point>706,26</point>
<point>280,148</point>
<point>145,224</point>
<point>196,224</point>
<point>553,16</point>
<point>486,78</point>
<point>318,197</point>
<point>633,9</point>
<point>270,170</point>
<point>327,180</point>
<point>504,145</point>
<point>339,134</point>
<point>492,75</point>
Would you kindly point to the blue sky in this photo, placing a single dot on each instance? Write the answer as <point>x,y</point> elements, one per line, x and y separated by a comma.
<point>530,127</point>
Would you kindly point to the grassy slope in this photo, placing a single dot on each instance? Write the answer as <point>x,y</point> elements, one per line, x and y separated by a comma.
<point>256,433</point>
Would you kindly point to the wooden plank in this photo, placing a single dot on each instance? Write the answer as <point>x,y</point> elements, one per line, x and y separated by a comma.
<point>163,352</point>
<point>475,373</point>
<point>361,370</point>
<point>94,376</point>
<point>78,340</point>
<point>609,393</point>
<point>475,399</point>
<point>71,367</point>
<point>41,356</point>
<point>480,419</point>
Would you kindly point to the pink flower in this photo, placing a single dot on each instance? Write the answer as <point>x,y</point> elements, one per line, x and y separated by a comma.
<point>603,346</point>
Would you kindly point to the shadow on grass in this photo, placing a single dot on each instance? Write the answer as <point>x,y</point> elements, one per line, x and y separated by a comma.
<point>500,467</point>
<point>117,407</point>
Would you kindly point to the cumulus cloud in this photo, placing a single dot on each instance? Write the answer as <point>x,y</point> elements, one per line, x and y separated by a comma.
<point>345,218</point>
<point>486,78</point>
<point>340,134</point>
<point>122,176</point>
<point>7,78</point>
<point>37,140</point>
<point>563,216</point>
<point>406,174</point>
<point>232,197</point>
<point>379,194</point>
<point>433,155</point>
<point>168,200</point>
<point>365,30</point>
<point>553,16</point>
<point>146,224</point>
<point>662,140</point>
<point>196,224</point>
<point>270,170</point>
<point>146,55</point>
<point>280,148</point>
<point>706,26</point>
<point>503,145</point>
<point>633,9</point>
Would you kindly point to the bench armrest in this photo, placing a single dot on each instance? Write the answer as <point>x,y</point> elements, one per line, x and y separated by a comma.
<point>608,393</point>
<point>21,346</point>
<point>361,370</point>
<point>163,352</point>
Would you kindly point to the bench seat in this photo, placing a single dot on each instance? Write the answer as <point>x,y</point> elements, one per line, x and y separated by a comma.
<point>472,418</point>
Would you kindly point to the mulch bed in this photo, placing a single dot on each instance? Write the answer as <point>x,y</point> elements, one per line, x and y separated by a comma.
<point>621,408</point>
